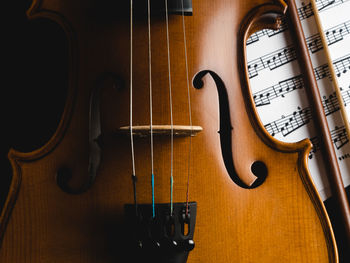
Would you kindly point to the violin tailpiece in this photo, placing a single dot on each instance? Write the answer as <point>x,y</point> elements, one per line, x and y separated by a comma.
<point>164,238</point>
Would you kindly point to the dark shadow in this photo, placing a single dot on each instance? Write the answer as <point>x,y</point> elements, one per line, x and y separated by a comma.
<point>344,252</point>
<point>34,87</point>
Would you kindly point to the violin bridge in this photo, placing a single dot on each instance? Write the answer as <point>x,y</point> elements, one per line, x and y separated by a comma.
<point>161,130</point>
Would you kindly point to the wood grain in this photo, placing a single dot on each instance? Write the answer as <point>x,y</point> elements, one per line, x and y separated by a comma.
<point>283,220</point>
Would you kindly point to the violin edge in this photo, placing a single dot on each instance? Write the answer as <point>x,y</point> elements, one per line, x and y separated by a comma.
<point>14,156</point>
<point>17,157</point>
<point>261,17</point>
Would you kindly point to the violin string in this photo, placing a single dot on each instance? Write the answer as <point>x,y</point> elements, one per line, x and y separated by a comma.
<point>150,101</point>
<point>134,178</point>
<point>171,110</point>
<point>189,108</point>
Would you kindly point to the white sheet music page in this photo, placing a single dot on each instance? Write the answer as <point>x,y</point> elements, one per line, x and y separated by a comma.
<point>278,88</point>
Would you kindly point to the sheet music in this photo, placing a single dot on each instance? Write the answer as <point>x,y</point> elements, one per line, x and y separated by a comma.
<point>278,87</point>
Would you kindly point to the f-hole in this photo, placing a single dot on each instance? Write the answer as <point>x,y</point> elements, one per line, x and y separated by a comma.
<point>258,168</point>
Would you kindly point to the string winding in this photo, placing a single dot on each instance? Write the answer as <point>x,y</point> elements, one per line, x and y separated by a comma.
<point>150,101</point>
<point>189,107</point>
<point>134,178</point>
<point>171,110</point>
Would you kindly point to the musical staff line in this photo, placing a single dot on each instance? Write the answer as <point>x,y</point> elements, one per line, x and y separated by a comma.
<point>330,104</point>
<point>333,35</point>
<point>290,123</point>
<point>315,146</point>
<point>268,32</point>
<point>304,12</point>
<point>324,5</point>
<point>285,55</point>
<point>300,117</point>
<point>339,139</point>
<point>346,96</point>
<point>284,87</point>
<point>272,60</point>
<point>341,66</point>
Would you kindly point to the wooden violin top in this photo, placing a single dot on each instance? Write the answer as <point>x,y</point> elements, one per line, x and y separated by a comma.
<point>205,179</point>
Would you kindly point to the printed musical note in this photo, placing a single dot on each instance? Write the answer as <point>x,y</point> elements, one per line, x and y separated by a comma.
<point>288,124</point>
<point>279,58</point>
<point>337,33</point>
<point>315,146</point>
<point>255,37</point>
<point>285,55</point>
<point>272,61</point>
<point>330,104</point>
<point>322,72</point>
<point>265,96</point>
<point>254,67</point>
<point>314,43</point>
<point>341,66</point>
<point>343,157</point>
<point>305,11</point>
<point>339,138</point>
<point>333,35</point>
<point>346,97</point>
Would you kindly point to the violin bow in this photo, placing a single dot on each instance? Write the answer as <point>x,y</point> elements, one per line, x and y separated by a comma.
<point>329,156</point>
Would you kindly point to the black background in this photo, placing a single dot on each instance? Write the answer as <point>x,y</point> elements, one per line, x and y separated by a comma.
<point>34,83</point>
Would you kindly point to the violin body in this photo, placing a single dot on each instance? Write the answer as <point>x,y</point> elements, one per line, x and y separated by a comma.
<point>280,220</point>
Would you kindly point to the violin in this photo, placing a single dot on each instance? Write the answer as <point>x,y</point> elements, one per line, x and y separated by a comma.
<point>160,154</point>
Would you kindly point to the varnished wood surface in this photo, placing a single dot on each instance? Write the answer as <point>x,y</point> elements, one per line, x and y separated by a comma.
<point>283,220</point>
